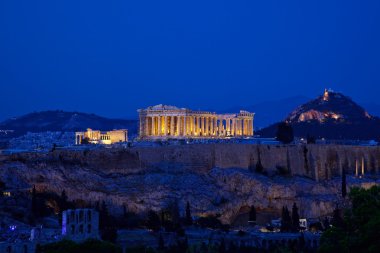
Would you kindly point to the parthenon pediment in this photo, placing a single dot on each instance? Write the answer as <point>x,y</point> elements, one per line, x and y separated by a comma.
<point>163,107</point>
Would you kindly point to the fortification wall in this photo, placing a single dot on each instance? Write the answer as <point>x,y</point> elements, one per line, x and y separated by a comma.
<point>319,162</point>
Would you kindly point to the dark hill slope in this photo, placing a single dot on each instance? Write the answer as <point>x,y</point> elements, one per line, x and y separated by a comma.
<point>64,121</point>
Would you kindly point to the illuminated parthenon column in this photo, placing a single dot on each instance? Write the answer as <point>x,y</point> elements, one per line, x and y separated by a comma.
<point>163,121</point>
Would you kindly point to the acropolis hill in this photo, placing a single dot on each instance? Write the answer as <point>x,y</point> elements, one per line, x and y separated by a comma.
<point>214,178</point>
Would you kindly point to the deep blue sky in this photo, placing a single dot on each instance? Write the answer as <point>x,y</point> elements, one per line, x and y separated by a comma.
<point>112,57</point>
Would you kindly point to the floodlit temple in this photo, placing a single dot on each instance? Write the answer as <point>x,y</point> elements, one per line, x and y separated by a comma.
<point>99,137</point>
<point>163,121</point>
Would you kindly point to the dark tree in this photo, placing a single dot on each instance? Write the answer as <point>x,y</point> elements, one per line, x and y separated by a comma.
<point>161,243</point>
<point>310,139</point>
<point>34,202</point>
<point>103,216</point>
<point>64,196</point>
<point>301,243</point>
<point>285,133</point>
<point>233,248</point>
<point>125,213</point>
<point>2,188</point>
<point>326,223</point>
<point>153,221</point>
<point>286,220</point>
<point>203,248</point>
<point>259,166</point>
<point>104,209</point>
<point>337,220</point>
<point>2,185</point>
<point>97,206</point>
<point>222,246</point>
<point>210,221</point>
<point>295,218</point>
<point>189,219</point>
<point>63,201</point>
<point>85,140</point>
<point>174,212</point>
<point>252,214</point>
<point>344,183</point>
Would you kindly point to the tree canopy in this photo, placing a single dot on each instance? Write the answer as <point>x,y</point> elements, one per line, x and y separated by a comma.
<point>359,230</point>
<point>285,133</point>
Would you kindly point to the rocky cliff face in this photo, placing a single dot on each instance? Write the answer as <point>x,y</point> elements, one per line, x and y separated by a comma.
<point>215,178</point>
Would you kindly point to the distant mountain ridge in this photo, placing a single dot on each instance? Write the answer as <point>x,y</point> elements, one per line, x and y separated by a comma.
<point>64,121</point>
<point>333,116</point>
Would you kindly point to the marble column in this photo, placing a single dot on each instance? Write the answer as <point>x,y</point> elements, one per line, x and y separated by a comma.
<point>146,126</point>
<point>165,125</point>
<point>207,131</point>
<point>159,126</point>
<point>215,126</point>
<point>152,126</point>
<point>172,126</point>
<point>184,126</point>
<point>356,168</point>
<point>194,125</point>
<point>211,126</point>
<point>180,129</point>
<point>178,125</point>
<point>200,126</point>
<point>362,166</point>
<point>233,127</point>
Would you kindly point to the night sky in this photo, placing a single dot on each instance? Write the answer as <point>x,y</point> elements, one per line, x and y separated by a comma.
<point>113,57</point>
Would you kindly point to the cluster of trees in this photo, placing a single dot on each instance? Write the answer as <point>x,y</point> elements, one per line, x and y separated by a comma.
<point>88,246</point>
<point>169,219</point>
<point>290,222</point>
<point>358,229</point>
<point>222,247</point>
<point>252,215</point>
<point>48,203</point>
<point>108,224</point>
<point>284,133</point>
<point>2,188</point>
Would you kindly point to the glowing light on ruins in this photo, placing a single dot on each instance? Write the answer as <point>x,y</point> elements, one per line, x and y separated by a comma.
<point>163,121</point>
<point>99,137</point>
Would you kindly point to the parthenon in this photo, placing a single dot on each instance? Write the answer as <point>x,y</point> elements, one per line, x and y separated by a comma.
<point>163,122</point>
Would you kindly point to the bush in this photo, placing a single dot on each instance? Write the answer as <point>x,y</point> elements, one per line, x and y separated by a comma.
<point>88,246</point>
<point>210,221</point>
<point>283,171</point>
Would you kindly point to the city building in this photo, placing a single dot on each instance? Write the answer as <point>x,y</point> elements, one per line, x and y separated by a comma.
<point>163,121</point>
<point>99,137</point>
<point>80,224</point>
